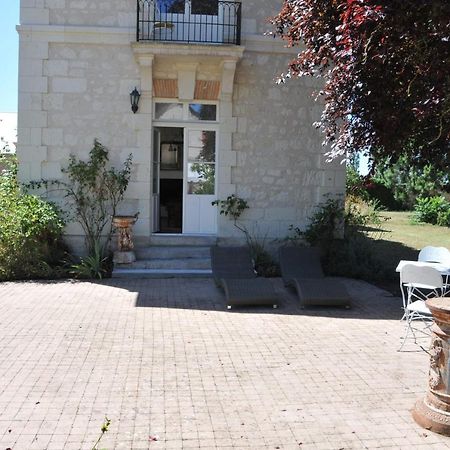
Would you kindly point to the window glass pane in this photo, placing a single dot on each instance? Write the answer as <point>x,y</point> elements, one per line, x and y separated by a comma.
<point>171,6</point>
<point>210,7</point>
<point>198,111</point>
<point>171,155</point>
<point>202,146</point>
<point>155,178</point>
<point>168,111</point>
<point>201,178</point>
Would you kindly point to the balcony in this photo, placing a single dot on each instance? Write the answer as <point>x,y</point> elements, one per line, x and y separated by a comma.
<point>189,21</point>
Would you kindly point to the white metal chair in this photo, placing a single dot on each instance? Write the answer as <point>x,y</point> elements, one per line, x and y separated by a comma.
<point>437,255</point>
<point>421,283</point>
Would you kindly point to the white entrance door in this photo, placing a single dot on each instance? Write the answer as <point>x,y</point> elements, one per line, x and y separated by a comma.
<point>200,217</point>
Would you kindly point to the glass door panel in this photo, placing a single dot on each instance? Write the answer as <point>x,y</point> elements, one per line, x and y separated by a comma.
<point>200,181</point>
<point>155,179</point>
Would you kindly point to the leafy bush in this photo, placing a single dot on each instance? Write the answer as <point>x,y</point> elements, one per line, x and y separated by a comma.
<point>265,265</point>
<point>335,219</point>
<point>232,207</point>
<point>326,223</point>
<point>357,257</point>
<point>30,231</point>
<point>93,266</point>
<point>93,191</point>
<point>434,210</point>
<point>349,252</point>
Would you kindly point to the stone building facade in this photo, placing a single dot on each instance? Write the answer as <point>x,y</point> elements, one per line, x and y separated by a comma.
<point>79,61</point>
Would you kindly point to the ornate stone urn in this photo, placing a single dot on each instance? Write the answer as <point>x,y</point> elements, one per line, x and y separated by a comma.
<point>124,226</point>
<point>433,412</point>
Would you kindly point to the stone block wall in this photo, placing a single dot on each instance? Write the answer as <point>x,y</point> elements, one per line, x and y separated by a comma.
<point>74,85</point>
<point>281,168</point>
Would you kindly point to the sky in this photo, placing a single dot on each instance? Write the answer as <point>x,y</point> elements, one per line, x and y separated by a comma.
<point>9,49</point>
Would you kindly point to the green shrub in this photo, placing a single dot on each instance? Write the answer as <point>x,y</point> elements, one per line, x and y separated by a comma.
<point>335,220</point>
<point>434,210</point>
<point>93,191</point>
<point>93,266</point>
<point>357,257</point>
<point>351,253</point>
<point>265,265</point>
<point>30,231</point>
<point>326,223</point>
<point>233,207</point>
<point>443,218</point>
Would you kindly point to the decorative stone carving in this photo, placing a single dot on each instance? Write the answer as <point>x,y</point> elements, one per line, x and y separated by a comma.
<point>433,412</point>
<point>436,362</point>
<point>124,225</point>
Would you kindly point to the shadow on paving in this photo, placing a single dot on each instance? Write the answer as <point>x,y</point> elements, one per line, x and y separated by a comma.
<point>369,302</point>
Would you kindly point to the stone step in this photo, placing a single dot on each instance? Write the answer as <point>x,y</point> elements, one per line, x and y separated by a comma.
<point>183,240</point>
<point>161,273</point>
<point>169,264</point>
<point>172,252</point>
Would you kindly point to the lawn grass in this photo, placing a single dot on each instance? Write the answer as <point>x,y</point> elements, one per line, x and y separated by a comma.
<point>415,236</point>
<point>402,239</point>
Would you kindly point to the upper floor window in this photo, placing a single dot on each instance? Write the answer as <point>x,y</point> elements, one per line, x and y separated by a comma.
<point>207,7</point>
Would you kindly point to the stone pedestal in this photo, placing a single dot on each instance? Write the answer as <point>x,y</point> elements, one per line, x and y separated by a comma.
<point>433,412</point>
<point>124,257</point>
<point>124,226</point>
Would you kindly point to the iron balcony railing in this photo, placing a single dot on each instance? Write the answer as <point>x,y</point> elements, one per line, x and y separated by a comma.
<point>190,21</point>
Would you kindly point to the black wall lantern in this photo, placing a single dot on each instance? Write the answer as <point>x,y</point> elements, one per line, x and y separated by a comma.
<point>134,99</point>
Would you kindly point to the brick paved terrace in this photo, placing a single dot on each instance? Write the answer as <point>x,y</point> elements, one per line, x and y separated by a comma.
<point>165,358</point>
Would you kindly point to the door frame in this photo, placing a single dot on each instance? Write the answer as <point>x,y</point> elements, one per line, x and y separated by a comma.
<point>186,124</point>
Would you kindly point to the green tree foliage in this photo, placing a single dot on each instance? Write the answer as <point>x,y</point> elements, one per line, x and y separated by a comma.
<point>407,183</point>
<point>355,184</point>
<point>30,230</point>
<point>385,64</point>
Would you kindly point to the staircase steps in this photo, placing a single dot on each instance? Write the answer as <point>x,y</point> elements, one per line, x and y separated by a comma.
<point>170,256</point>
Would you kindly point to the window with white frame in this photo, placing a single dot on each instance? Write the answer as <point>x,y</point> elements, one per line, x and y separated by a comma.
<point>191,112</point>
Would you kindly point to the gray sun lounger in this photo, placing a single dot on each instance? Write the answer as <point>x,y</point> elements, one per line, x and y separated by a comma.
<point>301,269</point>
<point>233,270</point>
